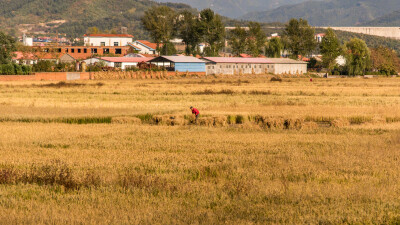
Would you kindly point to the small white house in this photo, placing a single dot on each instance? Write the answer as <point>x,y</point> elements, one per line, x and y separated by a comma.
<point>107,39</point>
<point>118,62</point>
<point>145,47</point>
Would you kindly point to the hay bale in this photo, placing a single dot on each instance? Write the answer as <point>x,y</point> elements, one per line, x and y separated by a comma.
<point>126,120</point>
<point>378,119</point>
<point>293,123</point>
<point>157,119</point>
<point>205,121</point>
<point>169,120</point>
<point>219,121</point>
<point>340,122</point>
<point>309,126</point>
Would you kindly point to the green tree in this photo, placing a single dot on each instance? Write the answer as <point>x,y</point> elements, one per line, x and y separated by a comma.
<point>357,57</point>
<point>93,30</point>
<point>213,32</point>
<point>330,49</point>
<point>237,40</point>
<point>188,31</point>
<point>7,46</point>
<point>385,60</point>
<point>256,39</point>
<point>300,37</point>
<point>274,47</point>
<point>168,47</point>
<point>160,23</point>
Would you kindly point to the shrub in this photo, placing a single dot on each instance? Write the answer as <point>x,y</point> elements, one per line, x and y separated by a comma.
<point>26,70</point>
<point>8,69</point>
<point>18,69</point>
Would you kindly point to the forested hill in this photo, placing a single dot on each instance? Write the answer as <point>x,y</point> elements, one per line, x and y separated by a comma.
<point>391,19</point>
<point>75,16</point>
<point>236,8</point>
<point>329,12</point>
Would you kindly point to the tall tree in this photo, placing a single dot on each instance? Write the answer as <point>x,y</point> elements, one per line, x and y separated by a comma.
<point>385,60</point>
<point>213,32</point>
<point>357,57</point>
<point>300,37</point>
<point>160,23</point>
<point>256,39</point>
<point>330,49</point>
<point>7,46</point>
<point>188,31</point>
<point>237,40</point>
<point>274,47</point>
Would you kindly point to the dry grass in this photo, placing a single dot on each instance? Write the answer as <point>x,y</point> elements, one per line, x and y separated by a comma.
<point>128,152</point>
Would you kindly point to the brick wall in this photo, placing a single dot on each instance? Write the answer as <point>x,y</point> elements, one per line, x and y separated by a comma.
<point>17,77</point>
<point>62,76</point>
<point>51,76</point>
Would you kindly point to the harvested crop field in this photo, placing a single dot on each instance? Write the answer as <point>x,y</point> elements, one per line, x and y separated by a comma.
<point>262,152</point>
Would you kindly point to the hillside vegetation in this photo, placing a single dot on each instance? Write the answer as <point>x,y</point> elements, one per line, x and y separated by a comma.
<point>329,12</point>
<point>77,15</point>
<point>391,19</point>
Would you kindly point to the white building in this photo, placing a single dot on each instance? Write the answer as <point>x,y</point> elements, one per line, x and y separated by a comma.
<point>237,65</point>
<point>27,41</point>
<point>118,62</point>
<point>145,47</point>
<point>107,39</point>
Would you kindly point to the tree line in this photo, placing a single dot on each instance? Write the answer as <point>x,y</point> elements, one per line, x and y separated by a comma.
<point>297,40</point>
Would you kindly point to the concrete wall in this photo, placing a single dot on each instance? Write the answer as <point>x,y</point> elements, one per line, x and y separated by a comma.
<point>389,32</point>
<point>232,68</point>
<point>235,68</point>
<point>109,41</point>
<point>289,68</point>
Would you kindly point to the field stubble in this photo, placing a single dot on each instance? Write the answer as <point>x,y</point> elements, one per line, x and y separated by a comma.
<point>263,152</point>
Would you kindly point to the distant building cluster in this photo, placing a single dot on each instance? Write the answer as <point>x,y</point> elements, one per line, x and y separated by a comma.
<point>122,51</point>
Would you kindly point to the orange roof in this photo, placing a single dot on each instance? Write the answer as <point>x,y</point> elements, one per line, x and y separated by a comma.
<point>108,35</point>
<point>149,44</point>
<point>126,59</point>
<point>245,55</point>
<point>36,55</point>
<point>23,55</point>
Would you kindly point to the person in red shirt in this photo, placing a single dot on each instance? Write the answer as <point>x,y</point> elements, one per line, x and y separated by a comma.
<point>195,112</point>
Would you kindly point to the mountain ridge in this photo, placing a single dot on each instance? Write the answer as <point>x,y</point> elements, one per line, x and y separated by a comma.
<point>235,8</point>
<point>328,12</point>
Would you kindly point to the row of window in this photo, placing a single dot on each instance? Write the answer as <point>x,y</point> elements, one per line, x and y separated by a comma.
<point>104,44</point>
<point>241,66</point>
<point>118,51</point>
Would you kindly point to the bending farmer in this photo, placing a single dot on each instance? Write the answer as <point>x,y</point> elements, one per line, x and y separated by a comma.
<point>195,112</point>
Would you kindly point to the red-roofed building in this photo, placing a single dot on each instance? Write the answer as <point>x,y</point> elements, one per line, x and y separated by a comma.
<point>25,58</point>
<point>107,39</point>
<point>319,37</point>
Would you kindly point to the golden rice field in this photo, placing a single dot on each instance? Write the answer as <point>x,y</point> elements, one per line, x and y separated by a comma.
<point>262,152</point>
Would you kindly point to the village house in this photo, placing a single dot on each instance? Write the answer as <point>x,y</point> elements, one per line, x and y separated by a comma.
<point>107,39</point>
<point>180,63</point>
<point>144,47</point>
<point>118,62</point>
